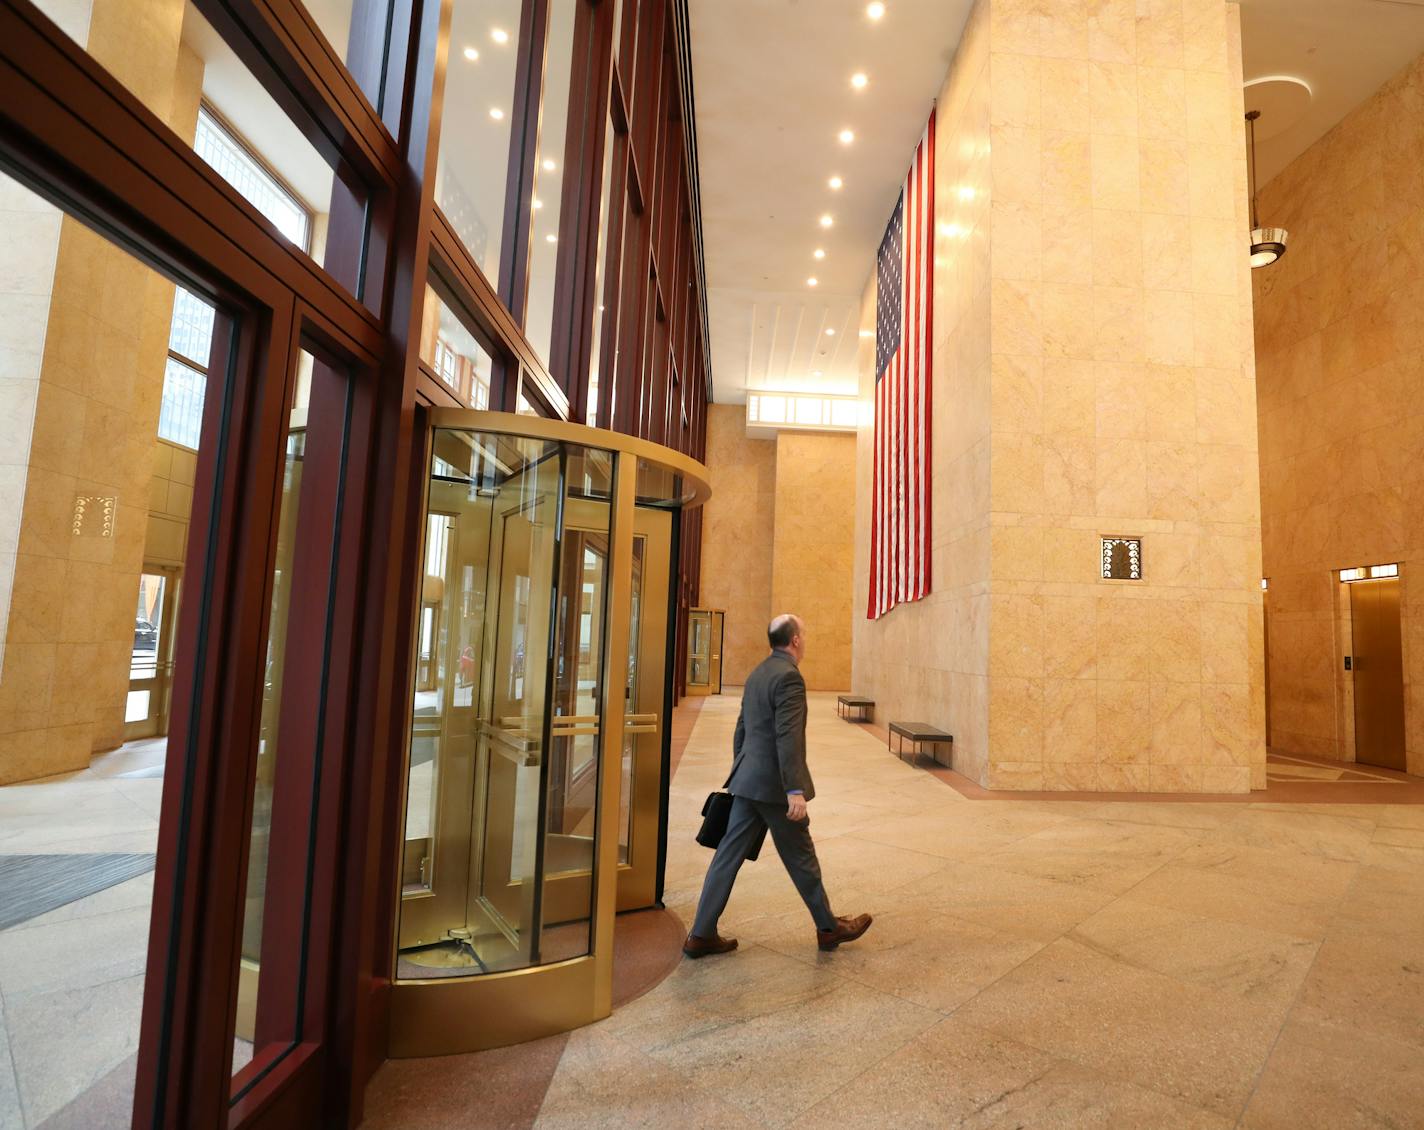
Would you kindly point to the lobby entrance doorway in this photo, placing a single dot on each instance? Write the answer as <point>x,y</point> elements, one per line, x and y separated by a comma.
<point>1378,665</point>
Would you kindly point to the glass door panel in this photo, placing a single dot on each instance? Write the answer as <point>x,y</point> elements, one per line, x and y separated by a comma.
<point>505,729</point>
<point>644,734</point>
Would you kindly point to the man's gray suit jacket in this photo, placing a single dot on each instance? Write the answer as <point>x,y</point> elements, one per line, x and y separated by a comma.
<point>770,744</point>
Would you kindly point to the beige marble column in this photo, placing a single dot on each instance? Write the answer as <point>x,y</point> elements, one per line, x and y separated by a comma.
<point>1090,183</point>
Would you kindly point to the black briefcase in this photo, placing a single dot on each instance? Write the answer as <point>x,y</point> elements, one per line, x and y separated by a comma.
<point>716,810</point>
<point>715,813</point>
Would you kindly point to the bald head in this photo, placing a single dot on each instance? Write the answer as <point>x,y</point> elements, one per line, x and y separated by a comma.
<point>787,632</point>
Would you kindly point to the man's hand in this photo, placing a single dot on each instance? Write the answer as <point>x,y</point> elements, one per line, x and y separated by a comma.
<point>795,807</point>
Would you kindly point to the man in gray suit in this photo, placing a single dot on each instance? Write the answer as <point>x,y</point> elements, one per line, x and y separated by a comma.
<point>771,786</point>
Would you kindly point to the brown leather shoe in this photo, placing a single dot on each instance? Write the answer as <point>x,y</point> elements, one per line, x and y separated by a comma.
<point>700,947</point>
<point>847,930</point>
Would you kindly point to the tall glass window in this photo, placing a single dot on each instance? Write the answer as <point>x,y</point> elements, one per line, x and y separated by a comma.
<point>478,114</point>
<point>454,353</point>
<point>549,177</point>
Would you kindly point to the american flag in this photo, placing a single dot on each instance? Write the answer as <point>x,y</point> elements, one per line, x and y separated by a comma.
<point>900,498</point>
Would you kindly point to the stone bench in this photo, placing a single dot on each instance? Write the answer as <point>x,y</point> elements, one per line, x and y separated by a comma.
<point>917,735</point>
<point>853,708</point>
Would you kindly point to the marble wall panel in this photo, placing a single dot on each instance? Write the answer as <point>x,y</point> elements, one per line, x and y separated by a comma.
<point>1338,347</point>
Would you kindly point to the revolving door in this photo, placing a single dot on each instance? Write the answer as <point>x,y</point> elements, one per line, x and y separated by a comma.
<point>536,754</point>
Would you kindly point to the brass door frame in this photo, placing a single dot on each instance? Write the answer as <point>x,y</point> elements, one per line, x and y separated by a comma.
<point>1378,664</point>
<point>638,878</point>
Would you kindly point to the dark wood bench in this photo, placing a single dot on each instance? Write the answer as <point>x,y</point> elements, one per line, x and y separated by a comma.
<point>853,708</point>
<point>917,735</point>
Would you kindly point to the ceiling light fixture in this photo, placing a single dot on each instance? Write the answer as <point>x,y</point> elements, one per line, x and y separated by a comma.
<point>835,183</point>
<point>830,332</point>
<point>826,220</point>
<point>551,239</point>
<point>811,281</point>
<point>471,54</point>
<point>819,253</point>
<point>496,113</point>
<point>549,165</point>
<point>847,136</point>
<point>966,192</point>
<point>538,204</point>
<point>858,80</point>
<point>1267,244</point>
<point>876,10</point>
<point>499,35</point>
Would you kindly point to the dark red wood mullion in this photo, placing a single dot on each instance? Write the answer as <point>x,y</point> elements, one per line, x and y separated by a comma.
<point>383,478</point>
<point>191,989</point>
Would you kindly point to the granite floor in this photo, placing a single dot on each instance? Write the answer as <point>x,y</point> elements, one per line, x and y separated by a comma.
<point>71,978</point>
<point>1037,963</point>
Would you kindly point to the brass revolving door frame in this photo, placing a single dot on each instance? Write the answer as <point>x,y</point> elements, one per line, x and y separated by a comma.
<point>459,1013</point>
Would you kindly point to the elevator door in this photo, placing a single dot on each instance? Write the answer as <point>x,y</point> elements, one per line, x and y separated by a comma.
<point>1379,673</point>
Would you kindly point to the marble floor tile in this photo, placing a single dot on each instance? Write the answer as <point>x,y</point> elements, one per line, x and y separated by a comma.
<point>1371,983</point>
<point>1258,965</point>
<point>1195,1044</point>
<point>772,1034</point>
<point>1398,848</point>
<point>1169,814</point>
<point>1275,891</point>
<point>1383,903</point>
<point>962,1076</point>
<point>1309,833</point>
<point>932,960</point>
<point>1324,1077</point>
<point>10,1113</point>
<point>603,1083</point>
<point>1105,856</point>
<point>64,1042</point>
<point>1011,902</point>
<point>73,953</point>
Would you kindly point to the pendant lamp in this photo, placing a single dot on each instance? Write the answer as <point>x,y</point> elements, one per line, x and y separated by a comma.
<point>1267,244</point>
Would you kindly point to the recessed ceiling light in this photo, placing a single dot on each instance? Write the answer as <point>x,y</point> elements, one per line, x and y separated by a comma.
<point>830,332</point>
<point>826,220</point>
<point>858,80</point>
<point>551,239</point>
<point>499,35</point>
<point>819,253</point>
<point>811,281</point>
<point>835,182</point>
<point>549,165</point>
<point>496,113</point>
<point>471,54</point>
<point>847,136</point>
<point>538,204</point>
<point>867,333</point>
<point>966,192</point>
<point>876,10</point>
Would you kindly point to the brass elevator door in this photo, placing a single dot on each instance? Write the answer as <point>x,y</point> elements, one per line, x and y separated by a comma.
<point>1379,673</point>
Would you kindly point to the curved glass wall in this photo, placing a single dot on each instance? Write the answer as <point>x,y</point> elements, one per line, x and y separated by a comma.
<point>538,724</point>
<point>505,739</point>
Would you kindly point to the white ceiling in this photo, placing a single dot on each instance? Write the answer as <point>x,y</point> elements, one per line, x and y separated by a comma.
<point>772,81</point>
<point>1344,50</point>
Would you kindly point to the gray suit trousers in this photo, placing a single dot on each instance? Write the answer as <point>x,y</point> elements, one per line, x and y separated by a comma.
<point>793,844</point>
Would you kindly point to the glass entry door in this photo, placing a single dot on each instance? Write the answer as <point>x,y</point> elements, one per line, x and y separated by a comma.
<point>151,664</point>
<point>704,651</point>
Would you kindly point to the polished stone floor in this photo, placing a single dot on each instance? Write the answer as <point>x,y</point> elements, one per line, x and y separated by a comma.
<point>1033,964</point>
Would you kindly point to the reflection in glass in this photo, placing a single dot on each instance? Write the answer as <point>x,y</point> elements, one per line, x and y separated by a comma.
<point>454,353</point>
<point>549,176</point>
<point>612,147</point>
<point>474,143</point>
<point>255,901</point>
<point>502,792</point>
<point>630,736</point>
